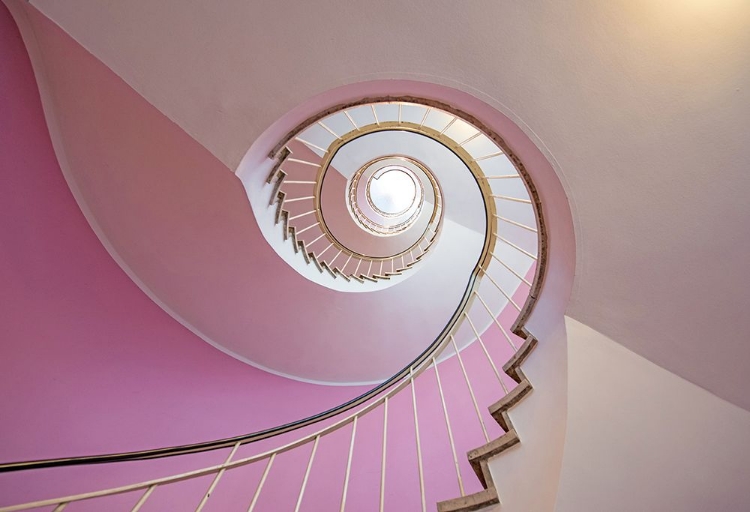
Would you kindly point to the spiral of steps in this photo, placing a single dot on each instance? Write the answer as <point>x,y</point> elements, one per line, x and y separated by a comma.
<point>321,198</point>
<point>271,257</point>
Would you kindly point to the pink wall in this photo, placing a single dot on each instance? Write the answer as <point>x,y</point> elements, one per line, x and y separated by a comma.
<point>181,223</point>
<point>89,364</point>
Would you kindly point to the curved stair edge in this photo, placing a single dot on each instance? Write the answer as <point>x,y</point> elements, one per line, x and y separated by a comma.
<point>479,457</point>
<point>281,216</point>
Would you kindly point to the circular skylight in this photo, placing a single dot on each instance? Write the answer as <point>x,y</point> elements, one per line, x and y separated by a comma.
<point>386,194</point>
<point>392,190</point>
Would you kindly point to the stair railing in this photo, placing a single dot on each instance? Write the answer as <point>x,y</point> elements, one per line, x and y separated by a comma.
<point>499,268</point>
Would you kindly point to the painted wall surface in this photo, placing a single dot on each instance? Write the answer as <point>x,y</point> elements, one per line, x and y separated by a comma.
<point>641,438</point>
<point>107,360</point>
<point>643,107</point>
<point>527,475</point>
<point>89,363</point>
<point>180,224</point>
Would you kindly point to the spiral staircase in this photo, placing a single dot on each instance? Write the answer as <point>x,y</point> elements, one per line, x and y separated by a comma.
<point>321,197</point>
<point>444,270</point>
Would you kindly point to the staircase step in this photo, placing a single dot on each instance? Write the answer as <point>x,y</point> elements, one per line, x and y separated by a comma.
<point>499,408</point>
<point>277,166</point>
<point>512,366</point>
<point>281,195</point>
<point>314,259</point>
<point>476,501</point>
<point>328,269</point>
<point>481,455</point>
<point>281,175</point>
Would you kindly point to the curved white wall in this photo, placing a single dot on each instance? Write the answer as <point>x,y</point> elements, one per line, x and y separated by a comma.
<point>642,438</point>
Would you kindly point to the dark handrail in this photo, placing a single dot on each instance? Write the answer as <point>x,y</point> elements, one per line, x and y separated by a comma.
<point>262,434</point>
<point>288,427</point>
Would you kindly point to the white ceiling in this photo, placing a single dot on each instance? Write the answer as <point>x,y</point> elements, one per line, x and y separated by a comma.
<point>643,108</point>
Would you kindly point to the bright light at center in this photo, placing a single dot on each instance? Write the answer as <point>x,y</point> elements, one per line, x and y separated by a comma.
<point>392,190</point>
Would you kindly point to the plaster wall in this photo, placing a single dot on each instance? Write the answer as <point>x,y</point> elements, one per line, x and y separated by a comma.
<point>642,438</point>
<point>83,377</point>
<point>527,475</point>
<point>643,108</point>
<point>183,229</point>
<point>89,363</point>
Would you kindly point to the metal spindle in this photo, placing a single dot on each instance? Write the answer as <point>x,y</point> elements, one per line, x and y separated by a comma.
<point>419,446</point>
<point>470,138</point>
<point>310,144</point>
<point>382,466</point>
<point>347,262</point>
<point>303,162</point>
<point>295,199</point>
<point>471,390</point>
<point>321,236</point>
<point>502,329</point>
<point>518,308</point>
<point>216,479</point>
<point>335,258</point>
<point>307,473</point>
<point>486,157</point>
<point>511,270</point>
<point>260,484</point>
<point>351,120</point>
<point>326,128</point>
<point>486,353</point>
<point>375,114</point>
<point>301,215</point>
<point>448,125</point>
<point>509,198</point>
<point>527,253</point>
<point>348,465</point>
<point>522,226</point>
<point>143,499</point>
<point>448,426</point>
<point>321,253</point>
<point>305,229</point>
<point>426,113</point>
